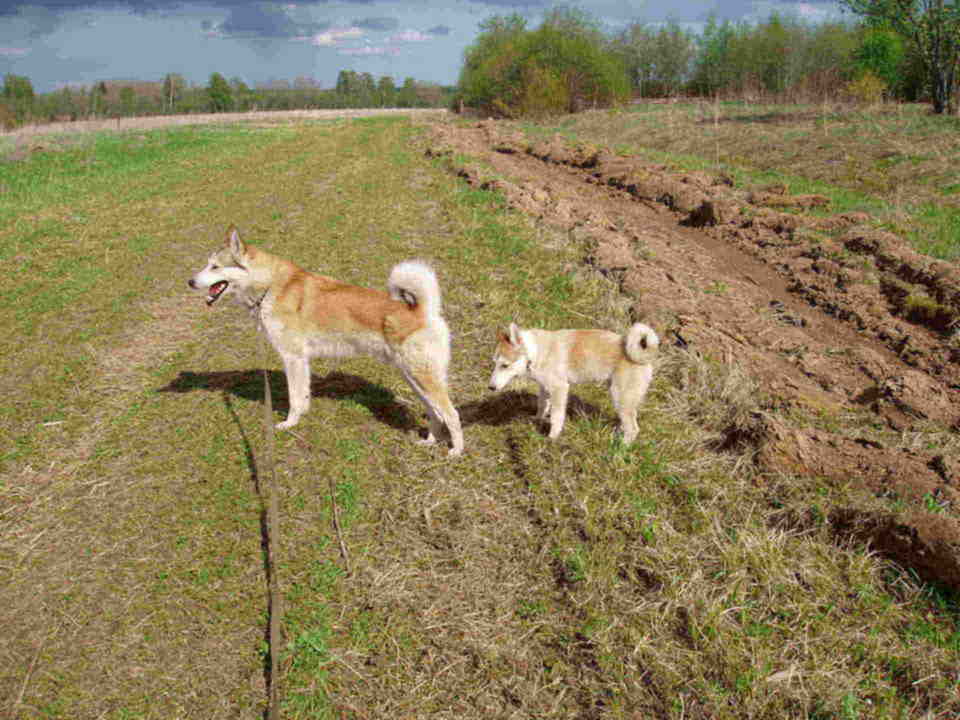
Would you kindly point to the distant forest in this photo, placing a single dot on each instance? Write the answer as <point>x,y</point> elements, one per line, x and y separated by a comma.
<point>20,104</point>
<point>570,62</point>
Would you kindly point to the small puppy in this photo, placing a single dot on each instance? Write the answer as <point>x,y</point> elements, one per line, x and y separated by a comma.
<point>555,359</point>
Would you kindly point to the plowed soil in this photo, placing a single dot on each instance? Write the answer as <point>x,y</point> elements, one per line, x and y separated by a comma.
<point>850,333</point>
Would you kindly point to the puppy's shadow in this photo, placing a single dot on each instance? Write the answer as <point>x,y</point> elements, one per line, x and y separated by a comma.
<point>248,384</point>
<point>505,407</point>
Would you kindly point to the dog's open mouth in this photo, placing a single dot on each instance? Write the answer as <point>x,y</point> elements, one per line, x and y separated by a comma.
<point>215,291</point>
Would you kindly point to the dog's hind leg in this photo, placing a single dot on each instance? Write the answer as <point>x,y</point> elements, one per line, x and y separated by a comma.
<point>625,404</point>
<point>451,418</point>
<point>440,411</point>
<point>298,388</point>
<point>628,391</point>
<point>433,414</point>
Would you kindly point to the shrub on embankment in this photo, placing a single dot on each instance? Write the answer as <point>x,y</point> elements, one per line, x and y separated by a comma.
<point>563,66</point>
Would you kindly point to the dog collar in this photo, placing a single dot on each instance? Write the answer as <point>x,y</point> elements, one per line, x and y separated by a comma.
<point>259,302</point>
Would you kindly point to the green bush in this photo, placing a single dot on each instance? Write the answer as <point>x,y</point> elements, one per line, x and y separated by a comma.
<point>543,94</point>
<point>881,53</point>
<point>563,66</point>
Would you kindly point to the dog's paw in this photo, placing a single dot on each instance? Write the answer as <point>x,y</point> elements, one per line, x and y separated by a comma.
<point>288,423</point>
<point>455,452</point>
<point>428,440</point>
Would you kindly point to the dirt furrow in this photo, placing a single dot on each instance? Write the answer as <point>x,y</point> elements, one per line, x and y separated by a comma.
<point>850,333</point>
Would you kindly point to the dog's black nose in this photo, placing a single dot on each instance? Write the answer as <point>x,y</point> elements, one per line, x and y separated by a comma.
<point>192,284</point>
<point>492,387</point>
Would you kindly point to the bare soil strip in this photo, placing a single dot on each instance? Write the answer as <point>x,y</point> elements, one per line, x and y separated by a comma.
<point>839,322</point>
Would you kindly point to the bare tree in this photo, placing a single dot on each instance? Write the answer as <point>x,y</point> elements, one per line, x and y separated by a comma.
<point>173,85</point>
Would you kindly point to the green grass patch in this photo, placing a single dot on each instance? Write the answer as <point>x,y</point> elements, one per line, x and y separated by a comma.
<point>118,163</point>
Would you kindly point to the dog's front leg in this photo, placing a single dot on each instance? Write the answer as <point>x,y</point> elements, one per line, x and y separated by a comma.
<point>297,369</point>
<point>558,408</point>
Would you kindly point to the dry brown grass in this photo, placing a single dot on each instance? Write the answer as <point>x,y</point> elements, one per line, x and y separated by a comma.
<point>269,117</point>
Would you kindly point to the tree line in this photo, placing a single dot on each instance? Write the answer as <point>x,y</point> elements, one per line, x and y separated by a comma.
<point>783,57</point>
<point>896,49</point>
<point>20,104</point>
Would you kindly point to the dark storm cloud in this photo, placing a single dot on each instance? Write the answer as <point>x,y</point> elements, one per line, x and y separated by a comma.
<point>41,20</point>
<point>266,21</point>
<point>439,30</point>
<point>514,3</point>
<point>245,18</point>
<point>58,7</point>
<point>259,20</point>
<point>384,24</point>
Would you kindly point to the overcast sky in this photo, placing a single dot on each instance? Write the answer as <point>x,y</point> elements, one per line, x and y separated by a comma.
<point>61,42</point>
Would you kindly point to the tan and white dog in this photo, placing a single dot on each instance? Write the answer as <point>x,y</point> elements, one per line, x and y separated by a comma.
<point>306,316</point>
<point>558,358</point>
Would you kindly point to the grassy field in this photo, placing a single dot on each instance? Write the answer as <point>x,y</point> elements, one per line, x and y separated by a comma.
<point>525,579</point>
<point>898,163</point>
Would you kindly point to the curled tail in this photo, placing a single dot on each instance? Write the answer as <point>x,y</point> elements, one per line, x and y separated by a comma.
<point>641,344</point>
<point>415,283</point>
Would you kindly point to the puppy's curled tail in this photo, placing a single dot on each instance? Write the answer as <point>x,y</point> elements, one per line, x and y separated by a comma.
<point>641,344</point>
<point>415,283</point>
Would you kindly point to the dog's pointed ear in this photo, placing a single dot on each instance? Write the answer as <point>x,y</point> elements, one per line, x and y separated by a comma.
<point>235,243</point>
<point>514,336</point>
<point>503,336</point>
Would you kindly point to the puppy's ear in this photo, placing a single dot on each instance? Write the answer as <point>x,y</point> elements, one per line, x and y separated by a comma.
<point>235,243</point>
<point>514,336</point>
<point>503,336</point>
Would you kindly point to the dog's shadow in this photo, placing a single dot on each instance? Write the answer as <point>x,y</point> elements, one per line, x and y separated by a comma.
<point>497,409</point>
<point>505,407</point>
<point>248,384</point>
